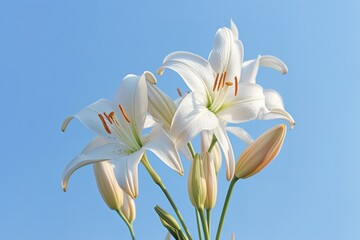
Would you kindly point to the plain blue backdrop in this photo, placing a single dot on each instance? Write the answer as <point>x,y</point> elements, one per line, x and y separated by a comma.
<point>56,57</point>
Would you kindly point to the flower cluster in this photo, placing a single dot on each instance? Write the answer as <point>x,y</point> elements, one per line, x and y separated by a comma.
<point>223,93</point>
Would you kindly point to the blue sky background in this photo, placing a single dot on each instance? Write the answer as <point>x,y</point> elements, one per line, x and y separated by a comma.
<point>56,57</point>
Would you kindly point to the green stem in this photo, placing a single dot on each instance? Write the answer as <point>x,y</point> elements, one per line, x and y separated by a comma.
<point>204,224</point>
<point>128,224</point>
<point>198,223</point>
<point>158,182</point>
<point>213,141</point>
<point>191,148</point>
<point>208,219</point>
<point>226,203</point>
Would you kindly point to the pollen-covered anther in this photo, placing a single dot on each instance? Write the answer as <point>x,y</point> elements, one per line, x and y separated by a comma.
<point>229,84</point>
<point>179,92</point>
<point>124,113</point>
<point>104,124</point>
<point>236,85</point>
<point>216,81</point>
<point>220,82</point>
<point>108,118</point>
<point>223,81</point>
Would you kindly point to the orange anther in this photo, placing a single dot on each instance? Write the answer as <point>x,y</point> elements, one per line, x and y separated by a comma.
<point>229,84</point>
<point>108,117</point>
<point>220,82</point>
<point>123,113</point>
<point>223,81</point>
<point>216,81</point>
<point>236,85</point>
<point>104,124</point>
<point>179,92</point>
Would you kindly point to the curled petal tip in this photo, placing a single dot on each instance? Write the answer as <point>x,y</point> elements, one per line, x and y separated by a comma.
<point>160,71</point>
<point>65,123</point>
<point>150,78</point>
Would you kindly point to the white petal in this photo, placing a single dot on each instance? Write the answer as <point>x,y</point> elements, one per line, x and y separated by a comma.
<point>249,71</point>
<point>132,95</point>
<point>149,121</point>
<point>161,145</point>
<point>246,105</point>
<point>226,55</point>
<point>275,106</point>
<point>126,172</point>
<point>161,106</point>
<point>273,62</point>
<point>191,118</point>
<point>250,68</point>
<point>240,133</point>
<point>195,70</point>
<point>96,151</point>
<point>226,147</point>
<point>89,116</point>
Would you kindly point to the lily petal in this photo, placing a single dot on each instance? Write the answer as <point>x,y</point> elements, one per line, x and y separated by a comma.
<point>99,149</point>
<point>240,133</point>
<point>149,121</point>
<point>161,106</point>
<point>226,147</point>
<point>126,172</point>
<point>226,55</point>
<point>89,117</point>
<point>195,70</point>
<point>191,118</point>
<point>250,68</point>
<point>161,145</point>
<point>132,95</point>
<point>275,106</point>
<point>246,106</point>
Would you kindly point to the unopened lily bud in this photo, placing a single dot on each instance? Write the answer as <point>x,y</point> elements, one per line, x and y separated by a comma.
<point>108,185</point>
<point>215,154</point>
<point>128,208</point>
<point>211,180</point>
<point>260,152</point>
<point>167,218</point>
<point>197,183</point>
<point>161,106</point>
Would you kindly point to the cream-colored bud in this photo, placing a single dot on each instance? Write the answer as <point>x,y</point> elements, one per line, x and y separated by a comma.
<point>261,152</point>
<point>211,180</point>
<point>161,107</point>
<point>197,183</point>
<point>128,208</point>
<point>215,154</point>
<point>107,184</point>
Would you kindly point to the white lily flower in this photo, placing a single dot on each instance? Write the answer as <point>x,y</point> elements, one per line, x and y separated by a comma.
<point>119,123</point>
<point>218,95</point>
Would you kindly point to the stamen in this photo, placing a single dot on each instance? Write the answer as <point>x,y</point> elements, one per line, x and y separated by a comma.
<point>104,124</point>
<point>108,118</point>
<point>123,113</point>
<point>216,81</point>
<point>228,83</point>
<point>236,85</point>
<point>220,81</point>
<point>179,92</point>
<point>223,81</point>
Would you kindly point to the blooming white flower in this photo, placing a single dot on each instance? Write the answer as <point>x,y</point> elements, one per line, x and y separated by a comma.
<point>119,124</point>
<point>219,95</point>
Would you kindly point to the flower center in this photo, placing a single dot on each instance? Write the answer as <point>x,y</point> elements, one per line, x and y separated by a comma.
<point>220,89</point>
<point>124,131</point>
